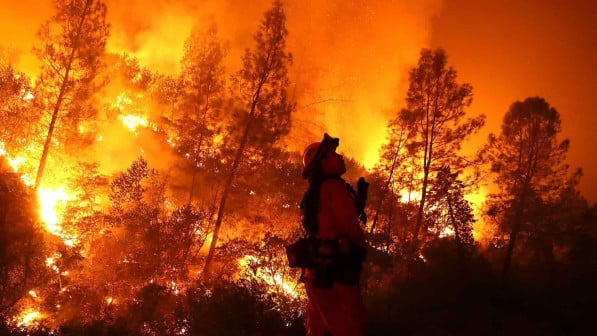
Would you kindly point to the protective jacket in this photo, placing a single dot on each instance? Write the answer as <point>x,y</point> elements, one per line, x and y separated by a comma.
<point>335,303</point>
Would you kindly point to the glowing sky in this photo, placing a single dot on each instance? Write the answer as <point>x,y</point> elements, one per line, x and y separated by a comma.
<point>351,58</point>
<point>510,50</point>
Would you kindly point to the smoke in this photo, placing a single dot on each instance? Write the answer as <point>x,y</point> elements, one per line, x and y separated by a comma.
<point>350,57</point>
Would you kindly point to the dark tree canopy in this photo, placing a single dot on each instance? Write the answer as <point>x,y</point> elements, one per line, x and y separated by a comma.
<point>528,165</point>
<point>436,110</point>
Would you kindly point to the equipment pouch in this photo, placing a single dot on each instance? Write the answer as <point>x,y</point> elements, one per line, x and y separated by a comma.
<point>301,254</point>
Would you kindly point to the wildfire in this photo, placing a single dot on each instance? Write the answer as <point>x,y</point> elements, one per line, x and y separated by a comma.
<point>132,122</point>
<point>447,232</point>
<point>28,318</point>
<point>267,275</point>
<point>409,196</point>
<point>52,203</point>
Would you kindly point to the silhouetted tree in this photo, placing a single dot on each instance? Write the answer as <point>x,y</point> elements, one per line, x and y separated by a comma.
<point>450,209</point>
<point>528,163</point>
<point>73,41</point>
<point>393,163</point>
<point>16,114</point>
<point>435,107</point>
<point>261,89</point>
<point>200,123</point>
<point>22,251</point>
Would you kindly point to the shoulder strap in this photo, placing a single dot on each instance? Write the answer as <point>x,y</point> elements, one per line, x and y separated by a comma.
<point>310,204</point>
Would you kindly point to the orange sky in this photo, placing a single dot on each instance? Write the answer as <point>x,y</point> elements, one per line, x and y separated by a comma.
<point>510,50</point>
<point>351,57</point>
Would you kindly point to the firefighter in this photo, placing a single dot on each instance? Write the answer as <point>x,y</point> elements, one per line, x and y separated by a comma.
<point>330,216</point>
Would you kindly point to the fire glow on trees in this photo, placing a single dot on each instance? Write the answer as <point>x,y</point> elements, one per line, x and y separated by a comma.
<point>128,231</point>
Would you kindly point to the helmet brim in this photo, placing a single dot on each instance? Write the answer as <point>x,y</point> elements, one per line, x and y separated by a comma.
<point>327,144</point>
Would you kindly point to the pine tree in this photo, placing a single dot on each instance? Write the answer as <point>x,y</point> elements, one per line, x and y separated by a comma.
<point>73,41</point>
<point>203,81</point>
<point>392,165</point>
<point>435,105</point>
<point>261,88</point>
<point>451,210</point>
<point>528,165</point>
<point>16,115</point>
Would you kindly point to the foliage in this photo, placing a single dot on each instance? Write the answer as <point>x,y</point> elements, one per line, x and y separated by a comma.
<point>73,41</point>
<point>394,171</point>
<point>528,166</point>
<point>22,248</point>
<point>200,124</point>
<point>261,92</point>
<point>435,111</point>
<point>16,113</point>
<point>450,209</point>
<point>140,234</point>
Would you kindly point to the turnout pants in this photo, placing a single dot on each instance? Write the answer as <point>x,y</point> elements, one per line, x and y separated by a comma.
<point>338,311</point>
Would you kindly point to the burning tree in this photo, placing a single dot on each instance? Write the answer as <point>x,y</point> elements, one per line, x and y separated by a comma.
<point>393,177</point>
<point>16,113</point>
<point>72,43</point>
<point>435,106</point>
<point>263,113</point>
<point>199,127</point>
<point>450,212</point>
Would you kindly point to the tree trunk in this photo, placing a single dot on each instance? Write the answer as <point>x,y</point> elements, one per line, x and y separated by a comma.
<point>389,227</point>
<point>385,189</point>
<point>218,224</point>
<point>514,234</point>
<point>426,168</point>
<point>44,154</point>
<point>237,159</point>
<point>509,252</point>
<point>198,151</point>
<point>420,212</point>
<point>457,238</point>
<point>3,262</point>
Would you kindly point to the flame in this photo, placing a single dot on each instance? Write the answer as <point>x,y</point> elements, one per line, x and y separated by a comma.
<point>121,101</point>
<point>28,96</point>
<point>264,273</point>
<point>409,196</point>
<point>52,202</point>
<point>218,139</point>
<point>133,121</point>
<point>28,317</point>
<point>15,163</point>
<point>446,232</point>
<point>51,262</point>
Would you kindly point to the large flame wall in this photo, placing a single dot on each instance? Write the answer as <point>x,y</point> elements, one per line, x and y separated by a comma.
<point>350,58</point>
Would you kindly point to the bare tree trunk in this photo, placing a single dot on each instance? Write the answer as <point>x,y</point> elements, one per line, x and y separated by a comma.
<point>199,144</point>
<point>420,212</point>
<point>427,158</point>
<point>389,227</point>
<point>457,238</point>
<point>57,106</point>
<point>386,187</point>
<point>509,252</point>
<point>514,234</point>
<point>220,215</point>
<point>3,262</point>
